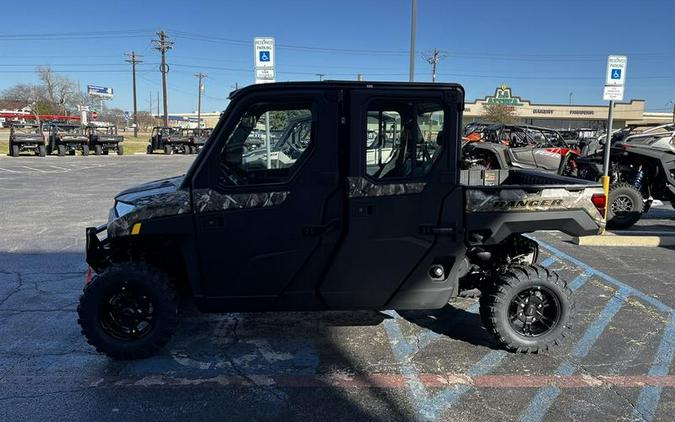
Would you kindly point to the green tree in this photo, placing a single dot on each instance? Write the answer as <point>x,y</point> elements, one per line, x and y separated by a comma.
<point>499,113</point>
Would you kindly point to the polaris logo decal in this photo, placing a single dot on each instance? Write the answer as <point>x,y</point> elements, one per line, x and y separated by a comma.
<point>528,203</point>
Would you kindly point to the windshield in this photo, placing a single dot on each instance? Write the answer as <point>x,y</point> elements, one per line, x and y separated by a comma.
<point>27,129</point>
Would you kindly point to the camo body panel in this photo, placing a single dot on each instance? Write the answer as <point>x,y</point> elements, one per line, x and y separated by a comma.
<point>547,199</point>
<point>209,200</point>
<point>360,187</point>
<point>161,204</point>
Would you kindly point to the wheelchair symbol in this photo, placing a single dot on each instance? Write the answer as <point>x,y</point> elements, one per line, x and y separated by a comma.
<point>616,73</point>
<point>264,56</point>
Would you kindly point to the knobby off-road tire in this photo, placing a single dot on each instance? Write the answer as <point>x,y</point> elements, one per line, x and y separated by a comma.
<point>168,150</point>
<point>525,294</point>
<point>61,150</point>
<point>129,311</point>
<point>98,150</point>
<point>14,150</point>
<point>120,150</point>
<point>625,206</point>
<point>42,151</point>
<point>85,150</point>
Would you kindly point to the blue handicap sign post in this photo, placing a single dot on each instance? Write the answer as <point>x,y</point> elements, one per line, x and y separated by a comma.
<point>264,56</point>
<point>616,73</point>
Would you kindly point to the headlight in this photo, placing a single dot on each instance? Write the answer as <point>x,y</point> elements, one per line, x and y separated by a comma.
<point>122,208</point>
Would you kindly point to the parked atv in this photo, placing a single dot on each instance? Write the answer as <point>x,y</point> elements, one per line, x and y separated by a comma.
<point>67,138</point>
<point>169,140</point>
<point>326,230</point>
<point>26,137</point>
<point>103,139</point>
<point>642,168</point>
<point>198,138</point>
<point>501,146</point>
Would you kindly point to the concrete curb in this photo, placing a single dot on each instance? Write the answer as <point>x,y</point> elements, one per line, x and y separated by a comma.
<point>610,239</point>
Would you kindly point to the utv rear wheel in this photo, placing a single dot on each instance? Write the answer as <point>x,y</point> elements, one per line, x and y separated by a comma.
<point>167,149</point>
<point>42,151</point>
<point>98,150</point>
<point>14,150</point>
<point>85,150</point>
<point>61,149</point>
<point>120,150</point>
<point>129,311</point>
<point>529,310</point>
<point>149,150</point>
<point>626,206</point>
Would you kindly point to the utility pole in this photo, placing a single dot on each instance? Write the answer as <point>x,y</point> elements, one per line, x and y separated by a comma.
<point>320,75</point>
<point>199,76</point>
<point>133,59</point>
<point>359,77</point>
<point>413,30</point>
<point>162,44</point>
<point>433,58</point>
<point>165,124</point>
<point>569,126</point>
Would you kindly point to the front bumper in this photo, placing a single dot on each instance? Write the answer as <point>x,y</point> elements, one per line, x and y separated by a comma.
<point>97,250</point>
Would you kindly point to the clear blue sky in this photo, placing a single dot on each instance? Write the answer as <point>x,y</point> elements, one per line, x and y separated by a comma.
<point>543,49</point>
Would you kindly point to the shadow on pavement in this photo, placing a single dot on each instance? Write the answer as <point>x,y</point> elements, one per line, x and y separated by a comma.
<point>217,366</point>
<point>452,322</point>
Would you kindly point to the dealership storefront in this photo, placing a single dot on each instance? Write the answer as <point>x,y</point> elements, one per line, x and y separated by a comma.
<point>564,116</point>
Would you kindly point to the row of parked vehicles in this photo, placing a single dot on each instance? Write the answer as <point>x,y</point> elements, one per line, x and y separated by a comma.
<point>63,138</point>
<point>642,160</point>
<point>177,140</point>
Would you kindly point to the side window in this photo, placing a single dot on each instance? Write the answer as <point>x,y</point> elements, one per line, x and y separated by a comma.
<point>402,139</point>
<point>267,143</point>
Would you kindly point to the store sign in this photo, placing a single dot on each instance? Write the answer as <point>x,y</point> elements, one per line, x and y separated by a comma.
<point>99,91</point>
<point>503,96</point>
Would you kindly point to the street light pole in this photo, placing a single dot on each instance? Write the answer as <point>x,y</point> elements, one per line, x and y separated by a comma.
<point>133,59</point>
<point>413,30</point>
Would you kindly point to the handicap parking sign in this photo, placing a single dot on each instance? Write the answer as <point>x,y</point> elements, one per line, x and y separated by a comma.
<point>264,56</point>
<point>616,73</point>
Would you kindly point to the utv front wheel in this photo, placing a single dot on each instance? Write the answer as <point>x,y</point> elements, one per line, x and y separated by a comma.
<point>625,207</point>
<point>129,311</point>
<point>529,310</point>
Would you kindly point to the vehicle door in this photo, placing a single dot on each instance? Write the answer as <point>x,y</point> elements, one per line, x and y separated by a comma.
<point>264,224</point>
<point>549,151</point>
<point>398,226</point>
<point>520,145</point>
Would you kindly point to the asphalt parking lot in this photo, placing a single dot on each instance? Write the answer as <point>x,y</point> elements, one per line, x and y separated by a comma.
<point>436,365</point>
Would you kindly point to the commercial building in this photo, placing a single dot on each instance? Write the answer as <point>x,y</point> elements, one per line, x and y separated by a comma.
<point>565,116</point>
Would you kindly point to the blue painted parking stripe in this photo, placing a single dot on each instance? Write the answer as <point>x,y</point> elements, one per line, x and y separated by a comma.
<point>650,396</point>
<point>550,260</point>
<point>544,398</point>
<point>633,292</point>
<point>430,407</point>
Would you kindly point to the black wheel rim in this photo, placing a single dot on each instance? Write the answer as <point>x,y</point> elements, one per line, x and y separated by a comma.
<point>622,204</point>
<point>534,312</point>
<point>127,314</point>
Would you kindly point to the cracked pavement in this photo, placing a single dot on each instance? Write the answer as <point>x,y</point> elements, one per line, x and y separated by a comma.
<point>291,366</point>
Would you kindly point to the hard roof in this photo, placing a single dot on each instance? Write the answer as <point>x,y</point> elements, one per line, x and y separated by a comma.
<point>330,84</point>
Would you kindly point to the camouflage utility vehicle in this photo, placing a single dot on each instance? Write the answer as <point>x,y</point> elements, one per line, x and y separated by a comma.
<point>350,219</point>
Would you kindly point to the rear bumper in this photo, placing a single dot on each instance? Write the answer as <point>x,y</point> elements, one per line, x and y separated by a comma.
<point>97,250</point>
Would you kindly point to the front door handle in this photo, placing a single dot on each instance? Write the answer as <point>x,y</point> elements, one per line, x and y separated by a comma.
<point>212,222</point>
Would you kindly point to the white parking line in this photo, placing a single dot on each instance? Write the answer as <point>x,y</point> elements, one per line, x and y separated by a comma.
<point>11,171</point>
